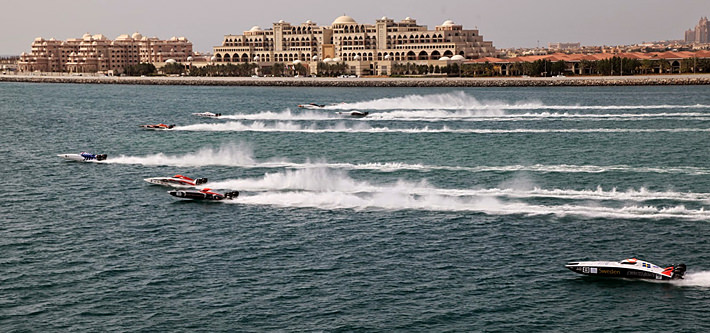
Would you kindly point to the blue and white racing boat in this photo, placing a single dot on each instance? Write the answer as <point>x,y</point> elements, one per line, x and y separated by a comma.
<point>84,157</point>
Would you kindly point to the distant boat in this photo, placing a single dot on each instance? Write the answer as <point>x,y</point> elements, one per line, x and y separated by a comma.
<point>207,114</point>
<point>83,157</point>
<point>158,127</point>
<point>311,106</point>
<point>354,114</point>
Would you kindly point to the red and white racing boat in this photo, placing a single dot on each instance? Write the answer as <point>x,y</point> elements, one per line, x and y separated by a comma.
<point>176,181</point>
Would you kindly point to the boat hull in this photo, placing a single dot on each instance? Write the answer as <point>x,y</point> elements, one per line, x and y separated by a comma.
<point>627,269</point>
<point>79,158</point>
<point>169,182</point>
<point>199,195</point>
<point>616,272</point>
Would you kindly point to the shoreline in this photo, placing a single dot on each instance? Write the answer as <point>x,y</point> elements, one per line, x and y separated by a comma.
<point>581,81</point>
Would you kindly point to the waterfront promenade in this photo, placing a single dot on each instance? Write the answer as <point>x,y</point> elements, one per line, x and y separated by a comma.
<point>638,80</point>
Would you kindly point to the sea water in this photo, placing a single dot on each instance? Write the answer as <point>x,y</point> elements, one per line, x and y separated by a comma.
<point>442,210</point>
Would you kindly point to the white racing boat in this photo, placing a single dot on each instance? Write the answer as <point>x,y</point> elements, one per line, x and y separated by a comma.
<point>84,157</point>
<point>311,106</point>
<point>207,114</point>
<point>176,181</point>
<point>628,268</point>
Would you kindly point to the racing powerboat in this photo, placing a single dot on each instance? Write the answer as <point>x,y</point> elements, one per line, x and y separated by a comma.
<point>207,114</point>
<point>354,114</point>
<point>629,268</point>
<point>176,181</point>
<point>84,157</point>
<point>158,127</point>
<point>311,106</point>
<point>203,194</point>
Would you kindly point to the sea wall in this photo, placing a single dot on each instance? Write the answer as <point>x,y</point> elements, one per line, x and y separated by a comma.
<point>372,82</point>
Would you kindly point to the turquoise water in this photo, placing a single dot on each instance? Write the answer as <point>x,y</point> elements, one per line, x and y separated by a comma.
<point>443,210</point>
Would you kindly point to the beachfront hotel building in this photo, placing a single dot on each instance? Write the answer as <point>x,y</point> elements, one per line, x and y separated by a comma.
<point>96,53</point>
<point>364,48</point>
<point>701,33</point>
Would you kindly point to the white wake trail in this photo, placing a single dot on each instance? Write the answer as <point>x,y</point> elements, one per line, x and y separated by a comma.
<point>462,101</point>
<point>694,279</point>
<point>328,189</point>
<point>362,127</point>
<point>241,155</point>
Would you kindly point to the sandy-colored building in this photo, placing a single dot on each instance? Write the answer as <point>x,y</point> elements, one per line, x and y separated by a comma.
<point>96,53</point>
<point>701,33</point>
<point>364,48</point>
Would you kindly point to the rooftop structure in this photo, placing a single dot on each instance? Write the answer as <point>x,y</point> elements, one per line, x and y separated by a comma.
<point>365,48</point>
<point>96,53</point>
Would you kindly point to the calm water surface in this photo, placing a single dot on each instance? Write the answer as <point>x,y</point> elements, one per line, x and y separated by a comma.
<point>443,210</point>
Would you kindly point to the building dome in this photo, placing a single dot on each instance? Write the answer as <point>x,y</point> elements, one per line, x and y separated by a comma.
<point>137,36</point>
<point>327,60</point>
<point>189,58</point>
<point>384,18</point>
<point>357,57</point>
<point>86,37</point>
<point>170,61</point>
<point>387,56</point>
<point>296,62</point>
<point>309,22</point>
<point>123,37</point>
<point>256,58</point>
<point>337,59</point>
<point>282,21</point>
<point>457,57</point>
<point>448,23</point>
<point>99,37</point>
<point>315,57</point>
<point>444,59</point>
<point>213,58</point>
<point>407,18</point>
<point>344,20</point>
<point>255,28</point>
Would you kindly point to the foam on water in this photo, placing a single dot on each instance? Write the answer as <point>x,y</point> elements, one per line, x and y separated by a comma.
<point>225,155</point>
<point>329,189</point>
<point>694,279</point>
<point>462,101</point>
<point>362,127</point>
<point>465,115</point>
<point>242,155</point>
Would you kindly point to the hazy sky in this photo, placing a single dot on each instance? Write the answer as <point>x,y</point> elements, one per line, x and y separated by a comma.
<point>508,23</point>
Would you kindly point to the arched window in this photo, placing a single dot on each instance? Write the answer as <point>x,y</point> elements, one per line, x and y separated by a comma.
<point>423,56</point>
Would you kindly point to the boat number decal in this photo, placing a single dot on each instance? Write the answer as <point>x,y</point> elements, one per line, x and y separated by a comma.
<point>585,270</point>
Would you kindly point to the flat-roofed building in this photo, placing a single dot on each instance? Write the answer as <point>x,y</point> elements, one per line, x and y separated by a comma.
<point>96,53</point>
<point>365,48</point>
